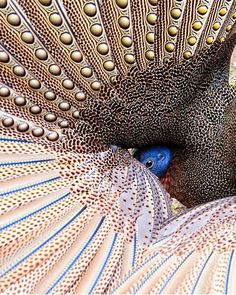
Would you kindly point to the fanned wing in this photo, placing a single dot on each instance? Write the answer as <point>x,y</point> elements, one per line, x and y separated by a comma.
<point>195,254</point>
<point>70,221</point>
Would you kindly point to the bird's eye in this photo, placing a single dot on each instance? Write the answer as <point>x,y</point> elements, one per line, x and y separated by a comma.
<point>149,164</point>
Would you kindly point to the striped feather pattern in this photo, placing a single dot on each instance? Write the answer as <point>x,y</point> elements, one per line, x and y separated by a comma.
<point>101,210</point>
<point>194,255</point>
<point>78,214</point>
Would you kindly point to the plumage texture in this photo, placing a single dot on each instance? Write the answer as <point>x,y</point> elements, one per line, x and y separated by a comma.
<point>81,82</point>
<point>195,254</point>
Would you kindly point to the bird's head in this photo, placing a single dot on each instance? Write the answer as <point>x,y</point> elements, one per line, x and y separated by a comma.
<point>157,159</point>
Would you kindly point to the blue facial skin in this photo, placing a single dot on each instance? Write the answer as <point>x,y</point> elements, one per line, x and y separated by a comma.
<point>157,159</point>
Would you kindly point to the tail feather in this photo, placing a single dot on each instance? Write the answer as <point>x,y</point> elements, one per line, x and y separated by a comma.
<point>186,27</point>
<point>229,26</point>
<point>87,25</point>
<point>169,17</point>
<point>28,109</point>
<point>25,63</point>
<point>219,23</point>
<point>26,131</point>
<point>56,54</point>
<point>118,25</point>
<point>33,89</point>
<point>55,30</point>
<point>143,14</point>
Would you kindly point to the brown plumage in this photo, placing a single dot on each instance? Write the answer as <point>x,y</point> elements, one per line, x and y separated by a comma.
<point>82,81</point>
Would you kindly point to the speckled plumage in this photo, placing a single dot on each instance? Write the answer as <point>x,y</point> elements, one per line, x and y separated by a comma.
<point>194,114</point>
<point>80,82</point>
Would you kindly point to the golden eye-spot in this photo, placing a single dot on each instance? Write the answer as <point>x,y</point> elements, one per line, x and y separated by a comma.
<point>90,9</point>
<point>192,41</point>
<point>96,30</point>
<point>103,48</point>
<point>54,70</point>
<point>13,19</point>
<point>19,71</point>
<point>197,26</point>
<point>64,124</point>
<point>216,26</point>
<point>20,101</point>
<point>41,54</point>
<point>149,54</point>
<point>49,95</point>
<point>109,65</point>
<point>4,92</point>
<point>50,117</point>
<point>45,2</point>
<point>22,127</point>
<point>4,57</point>
<point>64,106</point>
<point>172,30</point>
<point>8,122</point>
<point>27,37</point>
<point>122,3</point>
<point>76,56</point>
<point>68,84</point>
<point>96,85</point>
<point>66,38</point>
<point>80,96</point>
<point>35,110</point>
<point>126,41</point>
<point>223,11</point>
<point>123,22</point>
<point>175,13</point>
<point>153,2</point>
<point>222,39</point>
<point>187,54</point>
<point>234,15</point>
<point>129,58</point>
<point>112,79</point>
<point>53,136</point>
<point>37,132</point>
<point>151,18</point>
<point>75,114</point>
<point>86,72</point>
<point>55,19</point>
<point>202,9</point>
<point>3,3</point>
<point>169,47</point>
<point>150,37</point>
<point>209,40</point>
<point>34,83</point>
<point>228,28</point>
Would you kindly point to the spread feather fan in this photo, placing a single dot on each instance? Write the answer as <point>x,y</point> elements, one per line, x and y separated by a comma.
<point>82,81</point>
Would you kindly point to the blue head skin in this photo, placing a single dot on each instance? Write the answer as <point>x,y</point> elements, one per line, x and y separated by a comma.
<point>157,159</point>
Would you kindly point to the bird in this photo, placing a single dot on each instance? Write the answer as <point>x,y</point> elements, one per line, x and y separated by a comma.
<point>81,83</point>
<point>157,159</point>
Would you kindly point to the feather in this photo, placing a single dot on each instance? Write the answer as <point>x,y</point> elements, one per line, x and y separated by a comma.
<point>194,255</point>
<point>80,82</point>
<point>77,197</point>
